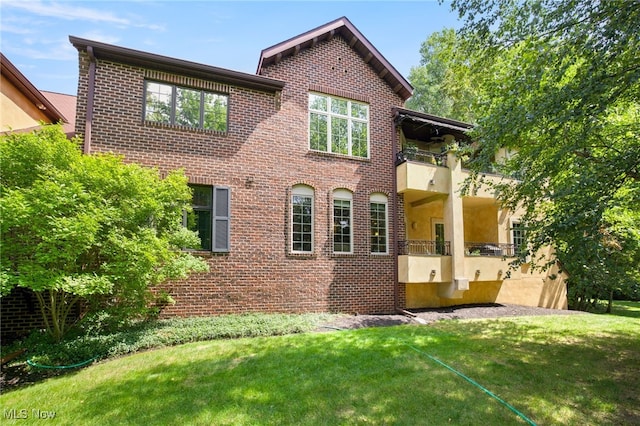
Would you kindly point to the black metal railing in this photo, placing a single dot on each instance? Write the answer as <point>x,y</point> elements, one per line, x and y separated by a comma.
<point>421,156</point>
<point>490,249</point>
<point>424,248</point>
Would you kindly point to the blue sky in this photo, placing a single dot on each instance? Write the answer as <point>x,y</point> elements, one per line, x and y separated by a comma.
<point>34,34</point>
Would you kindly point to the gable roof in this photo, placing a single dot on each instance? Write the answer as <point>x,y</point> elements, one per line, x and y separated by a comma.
<point>15,77</point>
<point>66,104</point>
<point>177,66</point>
<point>355,39</point>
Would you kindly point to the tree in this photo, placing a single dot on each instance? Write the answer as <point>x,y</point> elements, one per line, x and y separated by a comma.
<point>87,227</point>
<point>559,84</point>
<point>442,82</point>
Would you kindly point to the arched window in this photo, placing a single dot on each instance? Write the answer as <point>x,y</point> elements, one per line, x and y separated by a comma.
<point>342,221</point>
<point>302,219</point>
<point>379,223</point>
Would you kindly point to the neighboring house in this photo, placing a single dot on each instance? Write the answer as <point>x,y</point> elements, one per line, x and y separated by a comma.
<point>23,107</point>
<point>314,189</point>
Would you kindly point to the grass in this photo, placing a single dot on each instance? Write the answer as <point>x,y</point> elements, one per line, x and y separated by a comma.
<point>569,370</point>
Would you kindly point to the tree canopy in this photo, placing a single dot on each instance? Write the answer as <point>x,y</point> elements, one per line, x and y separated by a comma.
<point>442,81</point>
<point>558,84</point>
<point>87,227</point>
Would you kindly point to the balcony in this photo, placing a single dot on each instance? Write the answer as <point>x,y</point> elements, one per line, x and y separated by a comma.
<point>423,171</point>
<point>421,156</point>
<point>489,249</point>
<point>423,261</point>
<point>424,248</point>
<point>489,261</point>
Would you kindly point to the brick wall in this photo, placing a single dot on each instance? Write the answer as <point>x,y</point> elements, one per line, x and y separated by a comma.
<point>263,155</point>
<point>19,314</point>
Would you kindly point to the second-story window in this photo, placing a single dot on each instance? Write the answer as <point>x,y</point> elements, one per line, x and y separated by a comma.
<point>338,126</point>
<point>187,107</point>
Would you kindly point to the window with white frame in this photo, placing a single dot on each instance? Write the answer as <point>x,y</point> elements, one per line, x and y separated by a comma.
<point>342,220</point>
<point>338,126</point>
<point>210,217</point>
<point>518,238</point>
<point>379,231</point>
<point>186,107</point>
<point>302,219</point>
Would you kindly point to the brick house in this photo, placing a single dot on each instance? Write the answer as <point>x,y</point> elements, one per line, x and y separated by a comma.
<point>314,189</point>
<point>288,166</point>
<point>308,193</point>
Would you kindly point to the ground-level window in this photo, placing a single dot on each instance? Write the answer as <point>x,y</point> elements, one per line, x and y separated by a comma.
<point>183,106</point>
<point>379,230</point>
<point>342,219</point>
<point>339,126</point>
<point>302,219</point>
<point>210,217</point>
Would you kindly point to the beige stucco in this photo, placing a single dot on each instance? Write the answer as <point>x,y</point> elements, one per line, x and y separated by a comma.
<point>432,194</point>
<point>16,111</point>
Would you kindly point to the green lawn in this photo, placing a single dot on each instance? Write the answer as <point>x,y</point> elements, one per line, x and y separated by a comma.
<point>570,370</point>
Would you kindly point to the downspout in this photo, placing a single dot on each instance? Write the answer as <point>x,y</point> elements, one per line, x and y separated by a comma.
<point>394,210</point>
<point>90,95</point>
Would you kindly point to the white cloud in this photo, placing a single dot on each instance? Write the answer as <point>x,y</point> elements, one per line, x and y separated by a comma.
<point>72,12</point>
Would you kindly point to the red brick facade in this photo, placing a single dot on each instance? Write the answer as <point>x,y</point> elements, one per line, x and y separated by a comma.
<point>263,155</point>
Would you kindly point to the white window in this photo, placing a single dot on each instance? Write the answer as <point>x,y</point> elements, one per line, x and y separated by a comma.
<point>342,220</point>
<point>379,230</point>
<point>338,126</point>
<point>302,219</point>
<point>518,238</point>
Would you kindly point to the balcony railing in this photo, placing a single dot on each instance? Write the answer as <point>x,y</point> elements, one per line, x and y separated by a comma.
<point>490,249</point>
<point>422,156</point>
<point>424,248</point>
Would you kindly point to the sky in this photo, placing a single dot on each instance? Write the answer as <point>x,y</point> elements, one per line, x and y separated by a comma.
<point>34,34</point>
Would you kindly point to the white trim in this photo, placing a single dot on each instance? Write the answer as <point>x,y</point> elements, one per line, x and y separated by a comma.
<point>305,191</point>
<point>350,120</point>
<point>342,194</point>
<point>379,198</point>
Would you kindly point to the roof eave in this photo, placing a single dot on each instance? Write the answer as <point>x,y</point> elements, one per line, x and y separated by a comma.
<point>355,39</point>
<point>178,66</point>
<point>460,126</point>
<point>31,92</point>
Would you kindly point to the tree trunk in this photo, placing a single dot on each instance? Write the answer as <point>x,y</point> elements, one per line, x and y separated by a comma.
<point>610,304</point>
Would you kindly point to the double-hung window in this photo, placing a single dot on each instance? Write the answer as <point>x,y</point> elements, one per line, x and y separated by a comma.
<point>210,217</point>
<point>342,220</point>
<point>187,107</point>
<point>379,231</point>
<point>338,126</point>
<point>302,219</point>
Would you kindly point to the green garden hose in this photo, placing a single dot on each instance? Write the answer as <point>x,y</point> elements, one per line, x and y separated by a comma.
<point>80,364</point>
<point>473,382</point>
